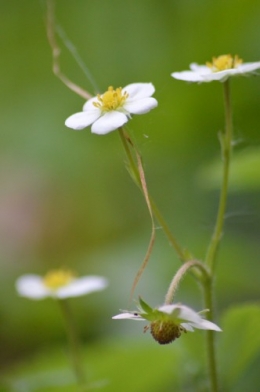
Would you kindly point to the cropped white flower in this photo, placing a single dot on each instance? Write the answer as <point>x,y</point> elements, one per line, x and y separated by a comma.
<point>168,321</point>
<point>58,284</point>
<point>113,109</point>
<point>220,69</point>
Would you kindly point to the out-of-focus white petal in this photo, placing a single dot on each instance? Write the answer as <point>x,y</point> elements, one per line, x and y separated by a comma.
<point>82,120</point>
<point>31,286</point>
<point>141,106</point>
<point>139,90</point>
<point>82,286</point>
<point>109,122</point>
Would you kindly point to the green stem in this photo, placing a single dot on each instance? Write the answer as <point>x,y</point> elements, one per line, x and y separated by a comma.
<point>226,149</point>
<point>73,344</point>
<point>136,177</point>
<point>210,337</point>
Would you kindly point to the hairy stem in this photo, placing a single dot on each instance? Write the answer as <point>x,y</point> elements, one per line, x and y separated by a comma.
<point>180,274</point>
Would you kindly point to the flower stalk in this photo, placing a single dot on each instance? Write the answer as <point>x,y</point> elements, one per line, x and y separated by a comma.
<point>73,344</point>
<point>180,275</point>
<point>226,150</point>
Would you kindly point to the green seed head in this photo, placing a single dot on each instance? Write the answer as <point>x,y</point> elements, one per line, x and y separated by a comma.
<point>165,332</point>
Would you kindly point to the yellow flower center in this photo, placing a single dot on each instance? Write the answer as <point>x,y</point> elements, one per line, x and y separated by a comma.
<point>57,278</point>
<point>111,99</point>
<point>226,61</point>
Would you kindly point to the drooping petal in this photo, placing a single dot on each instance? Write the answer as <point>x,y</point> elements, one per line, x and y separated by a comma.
<point>31,286</point>
<point>188,327</point>
<point>141,106</point>
<point>130,316</point>
<point>109,122</point>
<point>82,120</point>
<point>82,286</point>
<point>139,90</point>
<point>206,324</point>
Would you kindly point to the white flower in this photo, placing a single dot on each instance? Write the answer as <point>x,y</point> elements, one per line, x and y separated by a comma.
<point>113,109</point>
<point>168,321</point>
<point>58,284</point>
<point>220,69</point>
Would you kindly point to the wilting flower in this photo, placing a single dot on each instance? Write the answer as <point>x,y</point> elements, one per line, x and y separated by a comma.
<point>58,284</point>
<point>111,110</point>
<point>221,68</point>
<point>168,321</point>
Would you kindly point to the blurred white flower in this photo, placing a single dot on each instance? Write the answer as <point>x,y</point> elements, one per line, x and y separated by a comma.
<point>220,69</point>
<point>58,284</point>
<point>113,109</point>
<point>168,321</point>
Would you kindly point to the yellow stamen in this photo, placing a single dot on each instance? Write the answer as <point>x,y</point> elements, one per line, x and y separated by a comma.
<point>111,99</point>
<point>57,278</point>
<point>226,61</point>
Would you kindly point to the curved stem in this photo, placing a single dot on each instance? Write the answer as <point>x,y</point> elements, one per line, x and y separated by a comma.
<point>180,274</point>
<point>184,256</point>
<point>73,344</point>
<point>226,149</point>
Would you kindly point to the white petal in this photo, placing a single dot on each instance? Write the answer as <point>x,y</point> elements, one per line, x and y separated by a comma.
<point>188,76</point>
<point>181,312</point>
<point>200,69</point>
<point>188,327</point>
<point>82,286</point>
<point>139,90</point>
<point>221,76</point>
<point>109,122</point>
<point>31,286</point>
<point>205,324</point>
<point>130,316</point>
<point>140,106</point>
<point>89,104</point>
<point>82,120</point>
<point>248,67</point>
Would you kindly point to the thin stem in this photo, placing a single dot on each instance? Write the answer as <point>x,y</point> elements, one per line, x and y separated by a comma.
<point>210,337</point>
<point>226,149</point>
<point>73,344</point>
<point>136,177</point>
<point>56,52</point>
<point>180,274</point>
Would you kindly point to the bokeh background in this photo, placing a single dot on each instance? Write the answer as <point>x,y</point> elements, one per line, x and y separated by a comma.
<point>66,199</point>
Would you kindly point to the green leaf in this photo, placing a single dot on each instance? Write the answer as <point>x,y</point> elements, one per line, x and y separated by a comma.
<point>239,348</point>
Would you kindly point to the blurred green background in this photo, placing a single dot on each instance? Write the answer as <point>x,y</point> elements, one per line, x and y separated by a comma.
<point>66,199</point>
